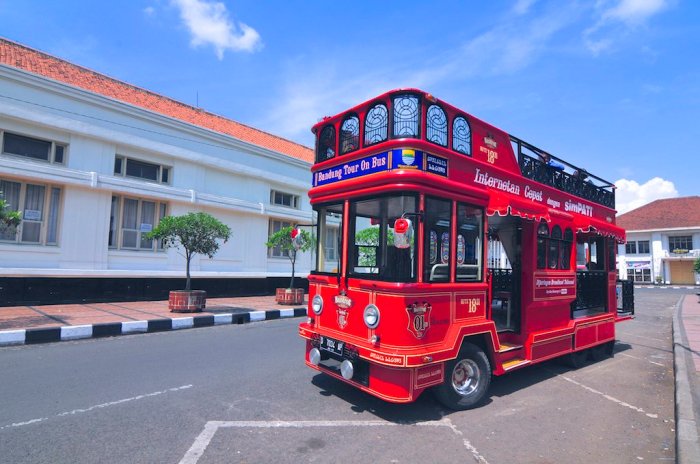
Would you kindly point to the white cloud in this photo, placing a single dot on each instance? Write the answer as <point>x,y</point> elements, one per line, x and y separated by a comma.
<point>209,24</point>
<point>149,11</point>
<point>523,6</point>
<point>634,11</point>
<point>616,18</point>
<point>631,195</point>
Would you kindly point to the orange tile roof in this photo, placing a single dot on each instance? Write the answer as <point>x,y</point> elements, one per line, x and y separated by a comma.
<point>33,61</point>
<point>669,213</point>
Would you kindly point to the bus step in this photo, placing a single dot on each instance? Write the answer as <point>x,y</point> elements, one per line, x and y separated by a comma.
<point>505,347</point>
<point>515,363</point>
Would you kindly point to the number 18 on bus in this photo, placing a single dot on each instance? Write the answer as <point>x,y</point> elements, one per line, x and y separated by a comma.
<point>449,251</point>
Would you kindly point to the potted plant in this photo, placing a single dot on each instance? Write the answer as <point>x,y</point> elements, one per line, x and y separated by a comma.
<point>290,241</point>
<point>195,233</point>
<point>9,219</point>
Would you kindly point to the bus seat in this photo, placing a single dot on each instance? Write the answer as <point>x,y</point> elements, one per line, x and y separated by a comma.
<point>467,272</point>
<point>440,272</point>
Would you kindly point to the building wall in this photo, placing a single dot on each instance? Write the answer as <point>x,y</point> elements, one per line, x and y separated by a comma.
<point>659,258</point>
<point>211,172</point>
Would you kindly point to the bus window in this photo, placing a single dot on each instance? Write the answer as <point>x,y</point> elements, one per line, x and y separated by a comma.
<point>542,234</point>
<point>612,245</point>
<point>590,254</point>
<point>406,116</point>
<point>566,249</point>
<point>325,146</point>
<point>554,242</point>
<point>376,124</point>
<point>437,223</point>
<point>373,254</point>
<point>470,232</point>
<point>350,134</point>
<point>328,233</point>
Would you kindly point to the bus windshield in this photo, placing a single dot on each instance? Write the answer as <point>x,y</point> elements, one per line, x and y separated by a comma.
<point>329,234</point>
<point>372,254</point>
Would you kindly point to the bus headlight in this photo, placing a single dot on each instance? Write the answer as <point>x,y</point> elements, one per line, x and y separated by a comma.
<point>317,304</point>
<point>371,316</point>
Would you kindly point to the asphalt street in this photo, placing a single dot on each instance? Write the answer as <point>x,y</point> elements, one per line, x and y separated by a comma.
<point>241,393</point>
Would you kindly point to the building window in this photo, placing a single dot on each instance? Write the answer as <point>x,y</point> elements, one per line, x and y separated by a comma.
<point>639,275</point>
<point>680,244</point>
<point>284,199</point>
<point>131,219</point>
<point>276,226</point>
<point>39,206</point>
<point>631,248</point>
<point>138,169</point>
<point>643,247</point>
<point>330,244</point>
<point>32,148</point>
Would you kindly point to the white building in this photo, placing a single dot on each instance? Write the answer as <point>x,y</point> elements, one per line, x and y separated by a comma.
<point>93,163</point>
<point>663,242</point>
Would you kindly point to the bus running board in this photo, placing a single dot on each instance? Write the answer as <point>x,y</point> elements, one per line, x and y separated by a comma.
<point>515,363</point>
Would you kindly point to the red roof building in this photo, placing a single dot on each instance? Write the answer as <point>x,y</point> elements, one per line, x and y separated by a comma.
<point>668,213</point>
<point>663,242</point>
<point>34,61</point>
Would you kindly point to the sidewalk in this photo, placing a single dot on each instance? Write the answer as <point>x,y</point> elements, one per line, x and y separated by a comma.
<point>686,351</point>
<point>50,323</point>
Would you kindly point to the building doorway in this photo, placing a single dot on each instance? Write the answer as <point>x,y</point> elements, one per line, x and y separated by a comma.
<point>682,272</point>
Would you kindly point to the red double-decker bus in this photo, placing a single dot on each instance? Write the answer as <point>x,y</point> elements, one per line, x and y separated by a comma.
<point>450,251</point>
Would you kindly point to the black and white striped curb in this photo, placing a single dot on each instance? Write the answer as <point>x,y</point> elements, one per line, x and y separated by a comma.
<point>77,332</point>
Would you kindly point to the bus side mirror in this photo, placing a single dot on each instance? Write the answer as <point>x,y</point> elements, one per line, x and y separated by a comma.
<point>403,232</point>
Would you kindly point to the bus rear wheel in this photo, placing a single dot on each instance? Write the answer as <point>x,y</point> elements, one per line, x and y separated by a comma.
<point>467,379</point>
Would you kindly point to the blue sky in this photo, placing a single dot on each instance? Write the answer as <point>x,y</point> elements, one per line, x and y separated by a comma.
<point>609,85</point>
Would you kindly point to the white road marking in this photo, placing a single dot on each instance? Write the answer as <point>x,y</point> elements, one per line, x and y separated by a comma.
<point>642,359</point>
<point>611,398</point>
<point>202,441</point>
<point>97,406</point>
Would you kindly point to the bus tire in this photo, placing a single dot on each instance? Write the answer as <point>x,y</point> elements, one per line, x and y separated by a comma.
<point>467,379</point>
<point>610,348</point>
<point>600,352</point>
<point>577,358</point>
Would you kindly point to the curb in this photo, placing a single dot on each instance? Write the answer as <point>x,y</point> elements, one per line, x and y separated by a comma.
<point>78,332</point>
<point>687,443</point>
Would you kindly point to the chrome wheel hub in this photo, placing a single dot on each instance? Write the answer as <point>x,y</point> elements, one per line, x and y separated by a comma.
<point>465,377</point>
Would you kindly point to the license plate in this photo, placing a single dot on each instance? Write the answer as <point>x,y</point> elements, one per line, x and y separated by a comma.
<point>332,345</point>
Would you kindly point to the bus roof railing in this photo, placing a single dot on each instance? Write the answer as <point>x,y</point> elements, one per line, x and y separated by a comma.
<point>551,170</point>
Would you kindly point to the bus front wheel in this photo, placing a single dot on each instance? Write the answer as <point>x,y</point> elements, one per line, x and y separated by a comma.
<point>467,379</point>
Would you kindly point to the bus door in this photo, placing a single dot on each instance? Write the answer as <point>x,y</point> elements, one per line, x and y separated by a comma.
<point>504,261</point>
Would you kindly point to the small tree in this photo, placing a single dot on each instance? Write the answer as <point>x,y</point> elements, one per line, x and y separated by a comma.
<point>696,266</point>
<point>194,232</point>
<point>289,245</point>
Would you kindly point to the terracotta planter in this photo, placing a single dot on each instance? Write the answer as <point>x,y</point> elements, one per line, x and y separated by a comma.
<point>289,296</point>
<point>183,301</point>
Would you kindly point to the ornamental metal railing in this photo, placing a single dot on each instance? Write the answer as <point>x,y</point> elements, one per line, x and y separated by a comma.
<point>542,167</point>
<point>591,291</point>
<point>625,297</point>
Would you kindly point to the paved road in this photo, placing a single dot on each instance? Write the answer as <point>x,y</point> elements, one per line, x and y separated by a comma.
<point>242,394</point>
